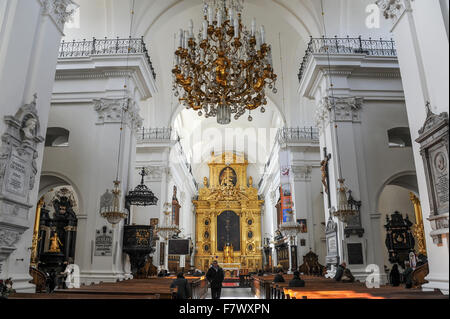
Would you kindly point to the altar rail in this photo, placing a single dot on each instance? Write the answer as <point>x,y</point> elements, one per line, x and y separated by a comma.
<point>105,46</point>
<point>346,46</point>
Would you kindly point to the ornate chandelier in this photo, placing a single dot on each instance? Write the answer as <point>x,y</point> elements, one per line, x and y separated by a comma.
<point>141,195</point>
<point>347,207</point>
<point>111,209</point>
<point>227,69</point>
<point>168,229</point>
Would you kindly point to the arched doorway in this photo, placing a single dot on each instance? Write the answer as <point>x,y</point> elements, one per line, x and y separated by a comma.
<point>401,229</point>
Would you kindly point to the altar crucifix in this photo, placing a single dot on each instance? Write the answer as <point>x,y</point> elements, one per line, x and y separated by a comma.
<point>325,174</point>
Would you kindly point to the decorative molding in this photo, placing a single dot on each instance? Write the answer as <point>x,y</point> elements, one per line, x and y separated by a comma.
<point>59,11</point>
<point>155,173</point>
<point>302,173</point>
<point>122,110</point>
<point>338,109</point>
<point>93,75</point>
<point>9,238</point>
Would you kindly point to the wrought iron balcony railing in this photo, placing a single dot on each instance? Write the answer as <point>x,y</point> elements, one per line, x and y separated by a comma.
<point>156,134</point>
<point>105,47</point>
<point>346,46</point>
<point>299,134</point>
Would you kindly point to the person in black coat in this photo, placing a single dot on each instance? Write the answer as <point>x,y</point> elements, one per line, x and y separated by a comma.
<point>279,276</point>
<point>394,276</point>
<point>215,276</point>
<point>297,281</point>
<point>407,276</point>
<point>182,284</point>
<point>340,271</point>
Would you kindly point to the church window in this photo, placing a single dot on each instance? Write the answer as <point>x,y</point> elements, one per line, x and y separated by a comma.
<point>399,137</point>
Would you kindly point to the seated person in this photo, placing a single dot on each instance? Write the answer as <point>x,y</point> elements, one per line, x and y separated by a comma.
<point>182,284</point>
<point>279,276</point>
<point>344,274</point>
<point>348,276</point>
<point>297,281</point>
<point>260,273</point>
<point>407,275</point>
<point>162,273</point>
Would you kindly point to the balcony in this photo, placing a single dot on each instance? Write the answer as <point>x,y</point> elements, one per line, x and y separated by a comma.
<point>298,135</point>
<point>155,134</point>
<point>347,45</point>
<point>98,47</point>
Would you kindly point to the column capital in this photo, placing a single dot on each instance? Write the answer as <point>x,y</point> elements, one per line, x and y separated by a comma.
<point>302,173</point>
<point>338,109</point>
<point>60,11</point>
<point>118,110</point>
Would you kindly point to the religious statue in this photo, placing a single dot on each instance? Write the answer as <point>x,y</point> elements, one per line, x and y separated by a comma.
<point>324,170</point>
<point>29,129</point>
<point>55,244</point>
<point>227,179</point>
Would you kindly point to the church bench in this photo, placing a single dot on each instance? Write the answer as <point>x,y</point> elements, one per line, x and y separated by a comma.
<point>140,287</point>
<point>64,296</point>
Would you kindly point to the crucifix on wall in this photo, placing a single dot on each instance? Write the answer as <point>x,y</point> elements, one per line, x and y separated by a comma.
<point>325,174</point>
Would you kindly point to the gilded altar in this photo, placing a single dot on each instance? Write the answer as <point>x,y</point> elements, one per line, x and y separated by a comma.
<point>228,216</point>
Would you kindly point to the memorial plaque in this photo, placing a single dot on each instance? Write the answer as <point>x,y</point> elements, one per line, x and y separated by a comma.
<point>440,177</point>
<point>355,254</point>
<point>332,257</point>
<point>103,242</point>
<point>434,145</point>
<point>179,247</point>
<point>16,179</point>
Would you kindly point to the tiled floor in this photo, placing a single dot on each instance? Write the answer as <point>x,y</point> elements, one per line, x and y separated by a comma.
<point>234,293</point>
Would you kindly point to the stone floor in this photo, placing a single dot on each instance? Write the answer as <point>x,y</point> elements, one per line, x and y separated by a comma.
<point>234,293</point>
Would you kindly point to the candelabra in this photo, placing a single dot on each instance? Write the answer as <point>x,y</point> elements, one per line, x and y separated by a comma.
<point>226,71</point>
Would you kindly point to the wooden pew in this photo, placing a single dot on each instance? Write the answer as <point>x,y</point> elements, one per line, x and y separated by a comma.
<point>64,296</point>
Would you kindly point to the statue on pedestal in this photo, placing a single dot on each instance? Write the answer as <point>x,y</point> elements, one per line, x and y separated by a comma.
<point>55,244</point>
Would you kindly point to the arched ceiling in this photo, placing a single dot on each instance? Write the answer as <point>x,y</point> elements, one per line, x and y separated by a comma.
<point>288,23</point>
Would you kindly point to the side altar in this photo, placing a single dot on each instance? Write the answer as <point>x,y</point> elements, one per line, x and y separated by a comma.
<point>228,216</point>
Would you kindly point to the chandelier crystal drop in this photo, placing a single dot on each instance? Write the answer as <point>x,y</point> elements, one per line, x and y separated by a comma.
<point>226,70</point>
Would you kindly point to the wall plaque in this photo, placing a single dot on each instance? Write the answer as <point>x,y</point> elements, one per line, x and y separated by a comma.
<point>433,140</point>
<point>332,257</point>
<point>103,242</point>
<point>355,254</point>
<point>18,168</point>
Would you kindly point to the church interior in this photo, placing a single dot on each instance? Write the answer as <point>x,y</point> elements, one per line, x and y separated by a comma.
<point>141,139</point>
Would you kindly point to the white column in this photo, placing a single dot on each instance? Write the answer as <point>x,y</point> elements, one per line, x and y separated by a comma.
<point>420,32</point>
<point>30,34</point>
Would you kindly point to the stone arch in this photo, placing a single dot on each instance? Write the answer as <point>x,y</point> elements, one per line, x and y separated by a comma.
<point>399,180</point>
<point>51,180</point>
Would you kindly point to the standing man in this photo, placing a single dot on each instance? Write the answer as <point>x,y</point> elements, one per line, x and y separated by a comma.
<point>215,276</point>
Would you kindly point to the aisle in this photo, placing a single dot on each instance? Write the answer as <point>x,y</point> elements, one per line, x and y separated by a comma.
<point>234,293</point>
